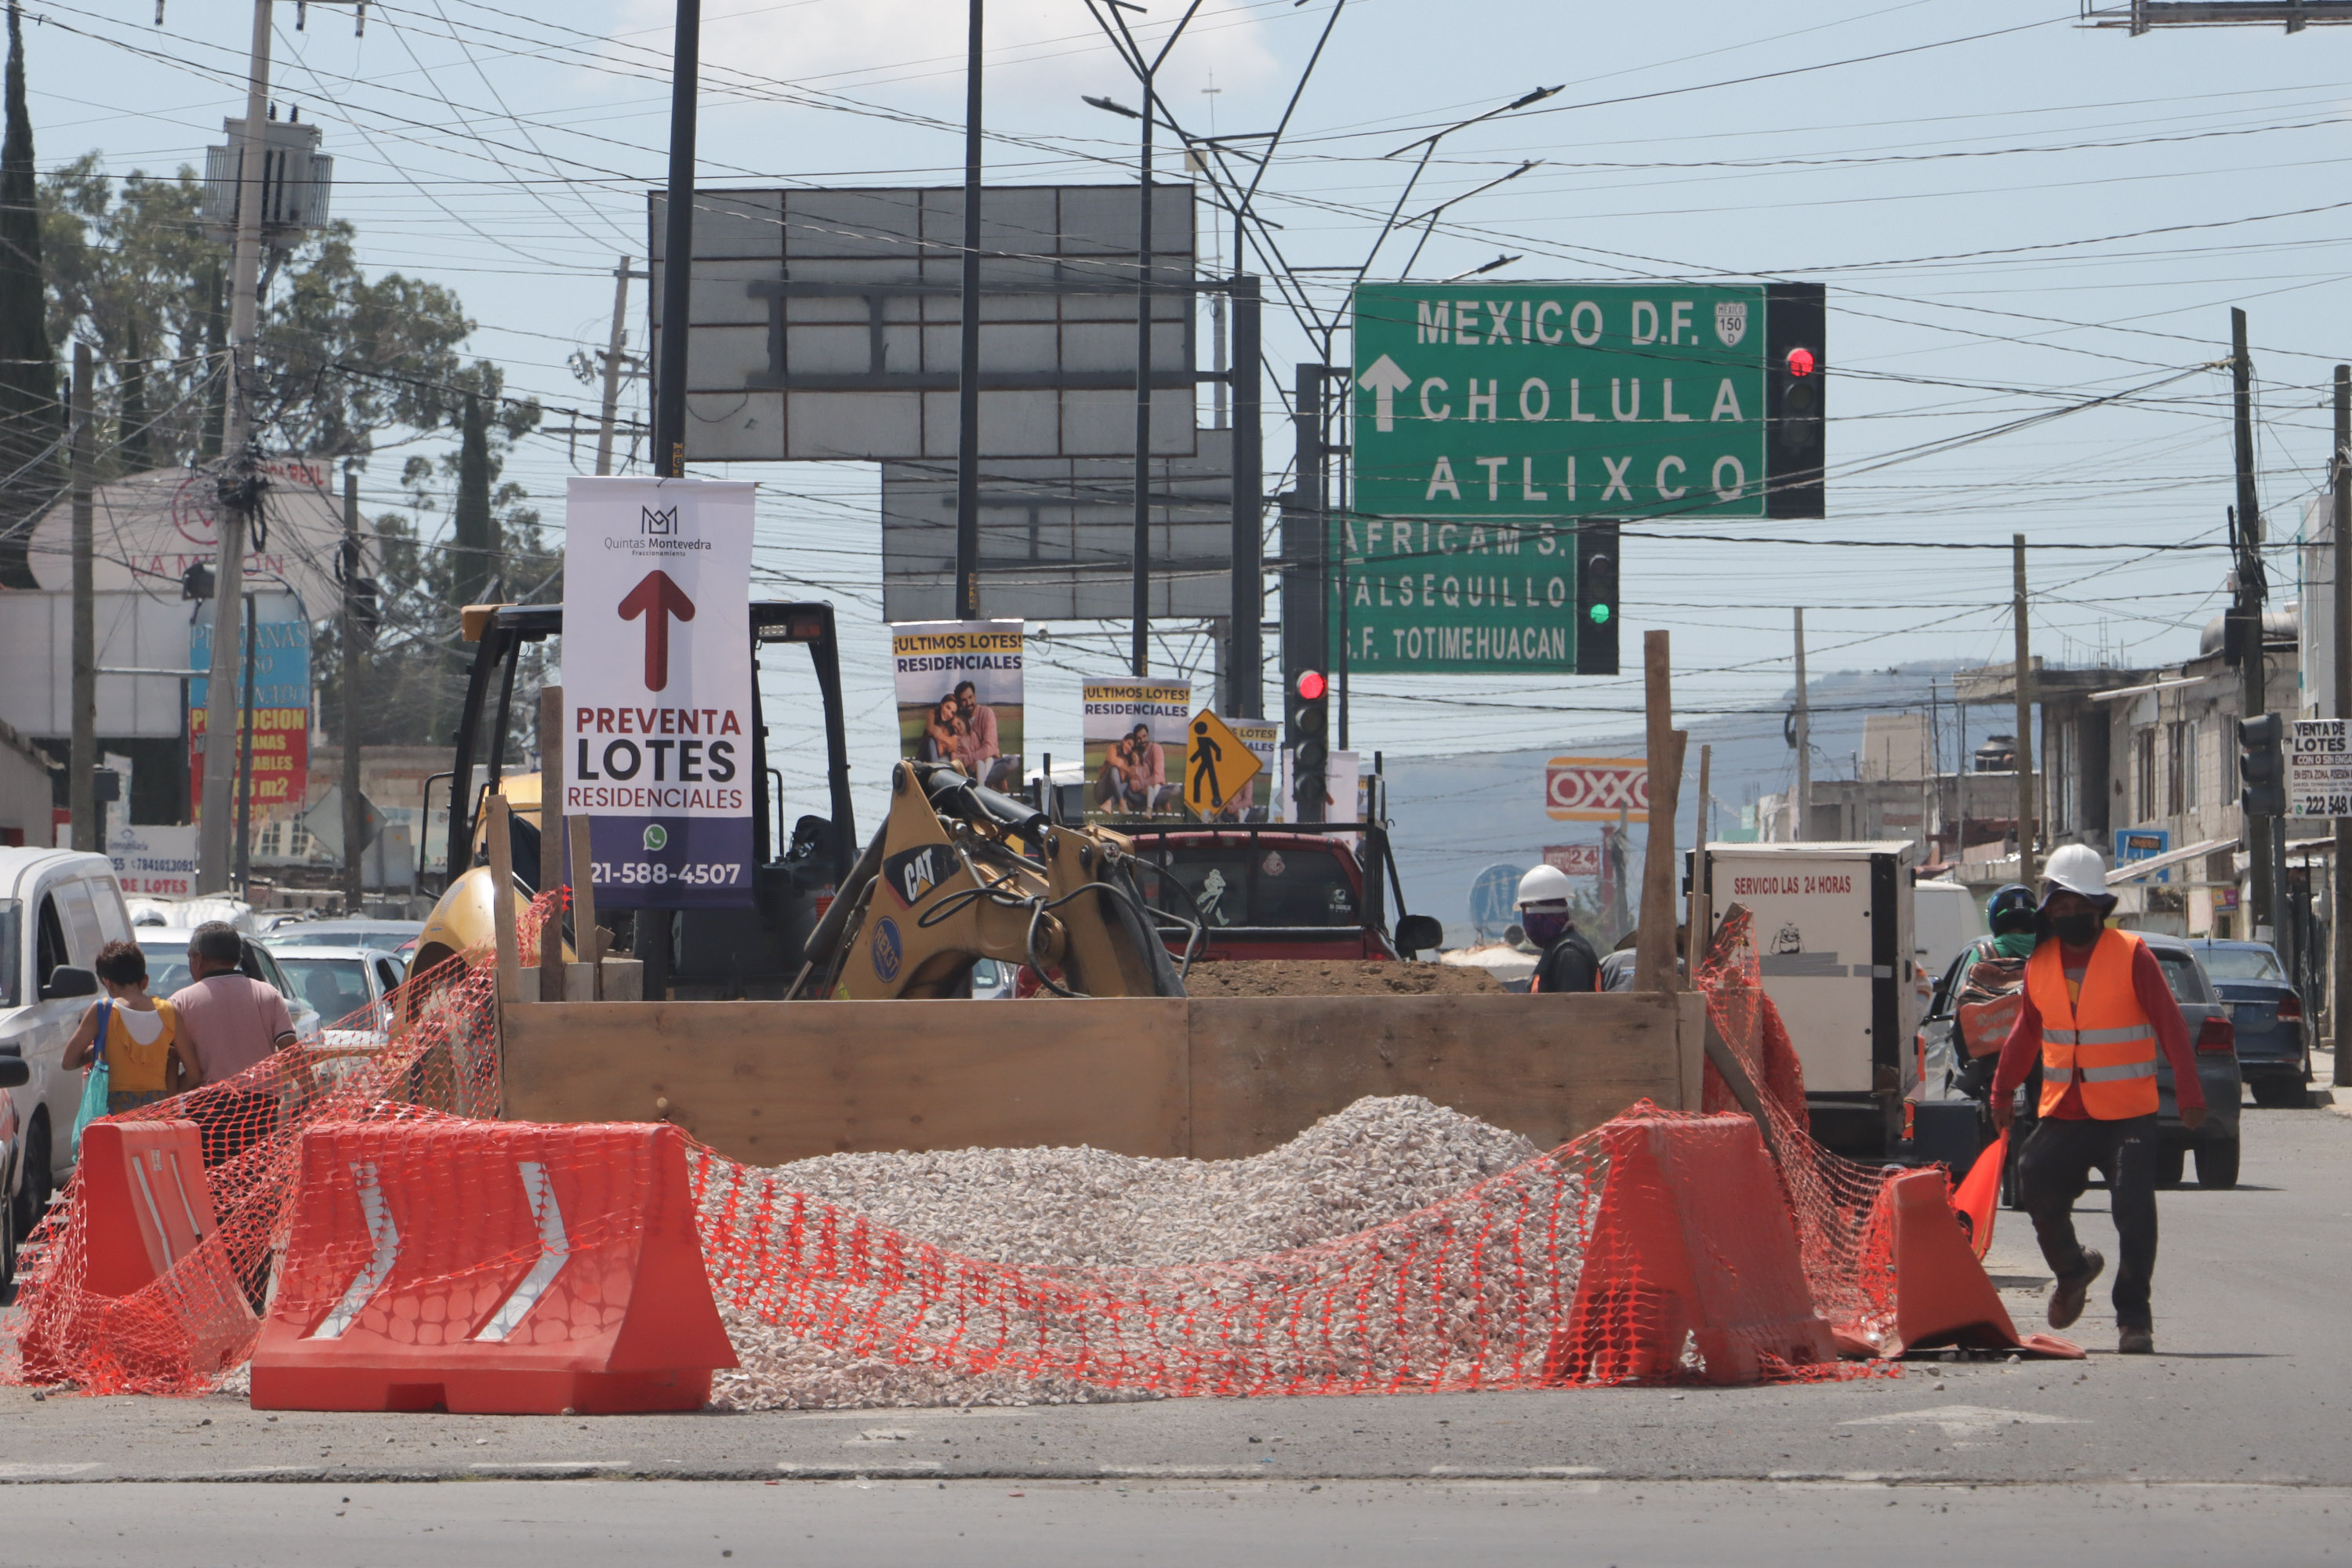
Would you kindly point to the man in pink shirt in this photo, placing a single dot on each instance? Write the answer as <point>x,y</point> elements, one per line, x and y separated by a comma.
<point>228,1022</point>
<point>977,746</point>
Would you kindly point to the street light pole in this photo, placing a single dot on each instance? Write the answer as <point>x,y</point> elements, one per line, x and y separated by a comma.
<point>1140,652</point>
<point>967,540</point>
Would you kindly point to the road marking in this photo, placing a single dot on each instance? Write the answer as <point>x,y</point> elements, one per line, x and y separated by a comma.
<point>32,1472</point>
<point>1966,1420</point>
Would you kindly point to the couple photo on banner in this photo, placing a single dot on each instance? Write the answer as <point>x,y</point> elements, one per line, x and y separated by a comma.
<point>958,689</point>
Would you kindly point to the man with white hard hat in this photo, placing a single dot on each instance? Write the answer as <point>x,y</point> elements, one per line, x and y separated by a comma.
<point>2097,1011</point>
<point>1569,963</point>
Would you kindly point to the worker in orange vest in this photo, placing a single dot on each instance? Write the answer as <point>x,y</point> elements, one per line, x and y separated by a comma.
<point>2097,1011</point>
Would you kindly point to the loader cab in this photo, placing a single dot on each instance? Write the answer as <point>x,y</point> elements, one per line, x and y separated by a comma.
<point>695,954</point>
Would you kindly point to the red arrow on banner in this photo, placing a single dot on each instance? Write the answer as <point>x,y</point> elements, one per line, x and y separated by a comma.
<point>657,599</point>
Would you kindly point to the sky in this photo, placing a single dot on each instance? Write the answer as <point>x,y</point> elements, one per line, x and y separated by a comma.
<point>2031,233</point>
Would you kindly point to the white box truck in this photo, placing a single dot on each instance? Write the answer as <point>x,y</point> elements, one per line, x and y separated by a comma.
<point>1834,940</point>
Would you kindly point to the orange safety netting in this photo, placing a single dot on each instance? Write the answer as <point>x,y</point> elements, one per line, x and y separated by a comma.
<point>1486,1289</point>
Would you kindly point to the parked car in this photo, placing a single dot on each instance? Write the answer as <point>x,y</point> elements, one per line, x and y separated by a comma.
<point>2266,1014</point>
<point>347,987</point>
<point>392,936</point>
<point>1289,890</point>
<point>167,971</point>
<point>2213,1041</point>
<point>57,907</point>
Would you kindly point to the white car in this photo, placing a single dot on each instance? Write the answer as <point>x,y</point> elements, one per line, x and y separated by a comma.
<point>167,972</point>
<point>57,907</point>
<point>348,987</point>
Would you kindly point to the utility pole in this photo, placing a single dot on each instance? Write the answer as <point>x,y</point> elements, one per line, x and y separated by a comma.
<point>2340,1006</point>
<point>1140,655</point>
<point>967,539</point>
<point>612,357</point>
<point>1245,639</point>
<point>677,248</point>
<point>2024,684</point>
<point>2254,699</point>
<point>354,660</point>
<point>245,756</point>
<point>240,491</point>
<point>1804,826</point>
<point>82,790</point>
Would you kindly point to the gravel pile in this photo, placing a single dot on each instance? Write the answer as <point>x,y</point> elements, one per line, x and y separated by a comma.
<point>1373,1163</point>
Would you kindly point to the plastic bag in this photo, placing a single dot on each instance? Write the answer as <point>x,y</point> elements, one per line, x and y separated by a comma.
<point>96,1083</point>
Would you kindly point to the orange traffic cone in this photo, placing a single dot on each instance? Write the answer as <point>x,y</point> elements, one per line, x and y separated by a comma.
<point>1978,1197</point>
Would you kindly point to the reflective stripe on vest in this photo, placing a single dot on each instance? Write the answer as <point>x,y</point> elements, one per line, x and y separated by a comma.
<point>2103,1042</point>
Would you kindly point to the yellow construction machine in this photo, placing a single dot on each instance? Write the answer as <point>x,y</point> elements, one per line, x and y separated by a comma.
<point>961,873</point>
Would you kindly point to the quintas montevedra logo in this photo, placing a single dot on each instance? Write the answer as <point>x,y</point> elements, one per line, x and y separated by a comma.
<point>660,524</point>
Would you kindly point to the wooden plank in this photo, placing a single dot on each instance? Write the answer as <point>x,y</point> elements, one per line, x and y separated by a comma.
<point>550,838</point>
<point>766,1082</point>
<point>1653,964</point>
<point>587,942</point>
<point>1264,1069</point>
<point>502,902</point>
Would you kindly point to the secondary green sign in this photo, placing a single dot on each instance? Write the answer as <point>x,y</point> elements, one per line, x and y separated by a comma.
<point>1487,419</point>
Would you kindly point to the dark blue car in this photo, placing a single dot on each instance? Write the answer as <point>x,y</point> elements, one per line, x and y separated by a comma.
<point>2273,1049</point>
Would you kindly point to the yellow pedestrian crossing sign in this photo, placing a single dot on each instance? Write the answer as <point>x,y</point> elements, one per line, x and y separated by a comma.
<point>1218,764</point>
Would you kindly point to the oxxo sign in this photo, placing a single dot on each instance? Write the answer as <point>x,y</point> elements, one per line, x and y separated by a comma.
<point>1487,420</point>
<point>1595,789</point>
<point>658,740</point>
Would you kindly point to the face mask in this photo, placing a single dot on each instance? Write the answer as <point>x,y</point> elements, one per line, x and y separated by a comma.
<point>2076,930</point>
<point>1543,926</point>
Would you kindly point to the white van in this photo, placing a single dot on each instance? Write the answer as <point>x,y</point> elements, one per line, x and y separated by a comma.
<point>57,907</point>
<point>1945,918</point>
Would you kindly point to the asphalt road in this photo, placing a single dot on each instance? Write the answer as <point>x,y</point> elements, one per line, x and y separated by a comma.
<point>2230,1441</point>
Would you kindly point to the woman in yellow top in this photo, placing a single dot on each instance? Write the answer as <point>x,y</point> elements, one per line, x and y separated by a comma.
<point>137,1035</point>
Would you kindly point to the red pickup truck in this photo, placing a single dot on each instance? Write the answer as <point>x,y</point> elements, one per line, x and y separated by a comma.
<point>1279,890</point>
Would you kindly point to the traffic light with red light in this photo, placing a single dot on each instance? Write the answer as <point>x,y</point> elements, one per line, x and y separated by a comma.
<point>1795,317</point>
<point>1309,723</point>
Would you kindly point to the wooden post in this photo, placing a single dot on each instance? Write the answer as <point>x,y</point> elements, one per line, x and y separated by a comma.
<point>1700,920</point>
<point>587,942</point>
<point>502,900</point>
<point>1653,963</point>
<point>550,840</point>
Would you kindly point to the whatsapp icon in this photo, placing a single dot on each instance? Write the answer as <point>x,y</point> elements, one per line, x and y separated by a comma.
<point>656,837</point>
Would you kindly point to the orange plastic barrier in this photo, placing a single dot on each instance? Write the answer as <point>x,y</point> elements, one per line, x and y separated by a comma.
<point>1694,1249</point>
<point>1942,1294</point>
<point>490,1268</point>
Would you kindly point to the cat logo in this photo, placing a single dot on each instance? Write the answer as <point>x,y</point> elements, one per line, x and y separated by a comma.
<point>912,873</point>
<point>1731,321</point>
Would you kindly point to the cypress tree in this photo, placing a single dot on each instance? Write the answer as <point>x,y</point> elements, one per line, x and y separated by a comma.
<point>30,418</point>
<point>477,541</point>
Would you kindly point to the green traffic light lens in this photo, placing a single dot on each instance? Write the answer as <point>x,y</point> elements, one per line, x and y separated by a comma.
<point>1600,614</point>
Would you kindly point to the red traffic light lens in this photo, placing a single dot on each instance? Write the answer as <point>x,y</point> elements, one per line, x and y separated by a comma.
<point>1311,686</point>
<point>1801,362</point>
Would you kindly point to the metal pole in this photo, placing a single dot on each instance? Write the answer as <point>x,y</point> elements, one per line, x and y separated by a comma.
<point>2340,911</point>
<point>1804,825</point>
<point>2254,699</point>
<point>1139,652</point>
<point>967,539</point>
<point>354,663</point>
<point>612,368</point>
<point>2024,683</point>
<point>1246,663</point>
<point>678,247</point>
<point>214,851</point>
<point>81,794</point>
<point>245,759</point>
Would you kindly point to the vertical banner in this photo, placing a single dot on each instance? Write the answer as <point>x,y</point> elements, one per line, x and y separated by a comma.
<point>659,743</point>
<point>281,704</point>
<point>1135,734</point>
<point>960,692</point>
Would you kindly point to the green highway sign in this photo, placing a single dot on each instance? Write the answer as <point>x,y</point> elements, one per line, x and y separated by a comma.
<point>1491,421</point>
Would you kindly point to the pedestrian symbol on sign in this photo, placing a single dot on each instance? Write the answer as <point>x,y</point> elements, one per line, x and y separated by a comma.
<point>1218,765</point>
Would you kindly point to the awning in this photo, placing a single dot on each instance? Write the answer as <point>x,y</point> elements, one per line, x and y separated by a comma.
<point>2132,870</point>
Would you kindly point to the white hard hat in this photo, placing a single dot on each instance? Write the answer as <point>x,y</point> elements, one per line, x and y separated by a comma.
<point>2075,868</point>
<point>1544,885</point>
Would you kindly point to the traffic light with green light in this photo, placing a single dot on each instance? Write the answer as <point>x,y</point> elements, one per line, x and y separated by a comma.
<point>1596,598</point>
